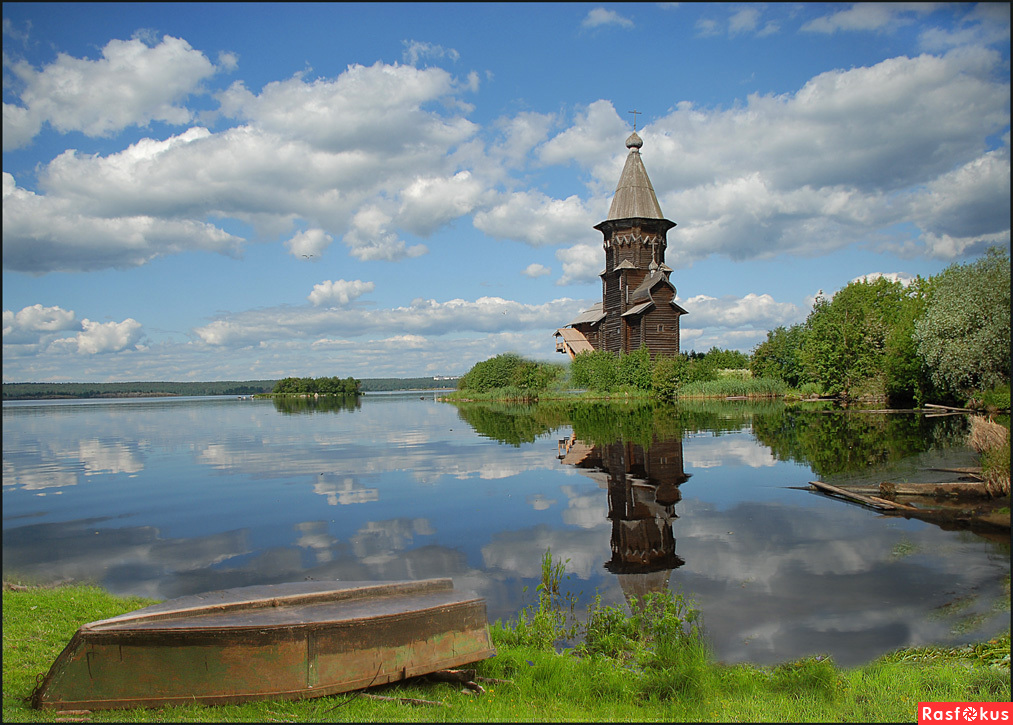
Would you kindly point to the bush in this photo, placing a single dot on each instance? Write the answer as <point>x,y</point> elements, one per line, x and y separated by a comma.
<point>635,369</point>
<point>992,401</point>
<point>810,390</point>
<point>510,370</point>
<point>661,636</point>
<point>668,376</point>
<point>596,370</point>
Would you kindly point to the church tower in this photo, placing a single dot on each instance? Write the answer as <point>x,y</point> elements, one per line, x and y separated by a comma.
<point>638,305</point>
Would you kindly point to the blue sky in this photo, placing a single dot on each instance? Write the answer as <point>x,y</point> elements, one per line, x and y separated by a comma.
<point>250,191</point>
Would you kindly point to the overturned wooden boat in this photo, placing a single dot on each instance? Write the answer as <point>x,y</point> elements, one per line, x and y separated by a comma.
<point>280,641</point>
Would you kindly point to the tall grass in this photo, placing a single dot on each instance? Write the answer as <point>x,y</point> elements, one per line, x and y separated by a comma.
<point>991,440</point>
<point>734,387</point>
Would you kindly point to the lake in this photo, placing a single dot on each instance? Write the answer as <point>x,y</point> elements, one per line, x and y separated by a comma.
<point>162,497</point>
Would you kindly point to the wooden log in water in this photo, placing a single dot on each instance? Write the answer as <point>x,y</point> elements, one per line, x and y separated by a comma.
<point>966,470</point>
<point>949,407</point>
<point>873,501</point>
<point>974,489</point>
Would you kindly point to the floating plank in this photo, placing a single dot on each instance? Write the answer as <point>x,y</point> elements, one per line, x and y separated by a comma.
<point>966,470</point>
<point>873,501</point>
<point>949,407</point>
<point>975,489</point>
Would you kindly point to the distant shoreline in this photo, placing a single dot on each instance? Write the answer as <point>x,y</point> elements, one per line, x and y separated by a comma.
<point>92,397</point>
<point>151,389</point>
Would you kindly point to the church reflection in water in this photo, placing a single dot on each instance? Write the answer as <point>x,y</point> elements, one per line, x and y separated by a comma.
<point>643,489</point>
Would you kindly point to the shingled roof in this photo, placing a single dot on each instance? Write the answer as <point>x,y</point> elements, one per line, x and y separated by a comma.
<point>634,196</point>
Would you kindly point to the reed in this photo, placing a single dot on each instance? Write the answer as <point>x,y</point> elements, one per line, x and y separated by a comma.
<point>986,434</point>
<point>991,440</point>
<point>734,387</point>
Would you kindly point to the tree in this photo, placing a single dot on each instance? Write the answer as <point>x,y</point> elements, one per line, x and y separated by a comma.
<point>509,370</point>
<point>779,355</point>
<point>906,376</point>
<point>845,338</point>
<point>719,359</point>
<point>964,334</point>
<point>322,386</point>
<point>490,374</point>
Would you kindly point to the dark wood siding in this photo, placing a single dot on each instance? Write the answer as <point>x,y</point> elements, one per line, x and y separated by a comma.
<point>638,242</point>
<point>661,327</point>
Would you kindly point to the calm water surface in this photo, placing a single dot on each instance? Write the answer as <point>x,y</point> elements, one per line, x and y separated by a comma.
<point>172,496</point>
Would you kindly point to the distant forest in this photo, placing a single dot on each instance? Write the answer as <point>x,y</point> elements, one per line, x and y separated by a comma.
<point>383,384</point>
<point>49,391</point>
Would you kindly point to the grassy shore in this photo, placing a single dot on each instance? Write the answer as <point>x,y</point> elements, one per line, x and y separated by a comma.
<point>617,675</point>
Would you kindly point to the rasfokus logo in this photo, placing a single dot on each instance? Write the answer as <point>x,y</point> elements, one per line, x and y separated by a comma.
<point>964,712</point>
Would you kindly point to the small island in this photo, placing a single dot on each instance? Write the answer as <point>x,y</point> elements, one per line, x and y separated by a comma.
<point>316,387</point>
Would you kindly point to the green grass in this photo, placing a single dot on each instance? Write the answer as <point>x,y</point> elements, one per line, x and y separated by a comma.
<point>734,386</point>
<point>646,665</point>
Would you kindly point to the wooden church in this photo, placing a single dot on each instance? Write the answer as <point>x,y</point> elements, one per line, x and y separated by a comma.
<point>638,307</point>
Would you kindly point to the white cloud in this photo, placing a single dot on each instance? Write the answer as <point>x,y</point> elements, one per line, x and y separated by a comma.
<point>310,243</point>
<point>899,122</point>
<point>36,325</point>
<point>707,27</point>
<point>868,16</point>
<point>971,202</point>
<point>228,61</point>
<point>241,172</point>
<point>755,312</point>
<point>807,173</point>
<point>131,85</point>
<point>745,20</point>
<point>44,234</point>
<point>519,135</point>
<point>102,337</point>
<point>535,219</point>
<point>291,165</point>
<point>714,451</point>
<point>20,126</point>
<point>370,237</point>
<point>382,106</point>
<point>850,153</point>
<point>903,278</point>
<point>414,51</point>
<point>43,319</point>
<point>536,270</point>
<point>15,33</point>
<point>591,141</point>
<point>598,17</point>
<point>581,263</point>
<point>422,317</point>
<point>339,293</point>
<point>944,246</point>
<point>429,202</point>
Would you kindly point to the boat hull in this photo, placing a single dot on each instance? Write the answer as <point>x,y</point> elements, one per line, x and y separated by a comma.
<point>298,641</point>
